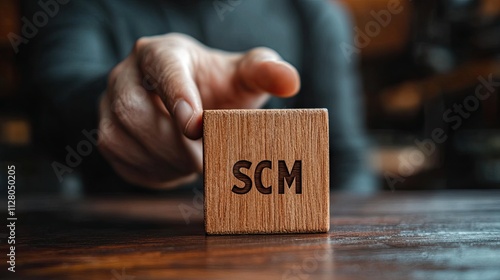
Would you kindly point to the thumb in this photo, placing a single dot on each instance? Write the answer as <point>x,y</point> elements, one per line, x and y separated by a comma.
<point>262,70</point>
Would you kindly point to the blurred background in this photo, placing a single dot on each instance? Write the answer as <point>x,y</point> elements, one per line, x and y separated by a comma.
<point>430,72</point>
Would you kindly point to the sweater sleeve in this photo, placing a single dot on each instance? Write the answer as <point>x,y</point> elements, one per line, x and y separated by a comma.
<point>65,67</point>
<point>333,82</point>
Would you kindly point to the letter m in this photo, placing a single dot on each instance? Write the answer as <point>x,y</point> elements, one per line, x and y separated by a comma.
<point>296,175</point>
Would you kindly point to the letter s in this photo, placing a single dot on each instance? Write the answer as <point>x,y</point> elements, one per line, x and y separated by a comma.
<point>242,177</point>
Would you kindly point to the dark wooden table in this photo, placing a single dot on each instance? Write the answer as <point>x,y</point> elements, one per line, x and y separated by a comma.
<point>440,235</point>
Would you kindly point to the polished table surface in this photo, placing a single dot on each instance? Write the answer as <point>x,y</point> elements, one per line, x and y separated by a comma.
<point>393,235</point>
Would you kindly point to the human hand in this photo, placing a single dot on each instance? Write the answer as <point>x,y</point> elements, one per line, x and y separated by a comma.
<point>151,112</point>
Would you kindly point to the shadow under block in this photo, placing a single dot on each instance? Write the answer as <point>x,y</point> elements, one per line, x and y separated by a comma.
<point>266,171</point>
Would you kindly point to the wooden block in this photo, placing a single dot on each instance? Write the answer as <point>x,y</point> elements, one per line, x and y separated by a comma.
<point>266,171</point>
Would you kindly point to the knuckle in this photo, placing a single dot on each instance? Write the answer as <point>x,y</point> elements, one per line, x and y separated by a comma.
<point>122,108</point>
<point>117,106</point>
<point>114,74</point>
<point>127,109</point>
<point>141,43</point>
<point>151,54</point>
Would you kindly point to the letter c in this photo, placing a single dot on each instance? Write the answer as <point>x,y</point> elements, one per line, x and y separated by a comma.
<point>258,177</point>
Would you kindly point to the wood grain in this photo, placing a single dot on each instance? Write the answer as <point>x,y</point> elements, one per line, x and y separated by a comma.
<point>400,235</point>
<point>245,147</point>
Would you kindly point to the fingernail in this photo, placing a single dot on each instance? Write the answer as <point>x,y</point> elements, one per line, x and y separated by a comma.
<point>183,112</point>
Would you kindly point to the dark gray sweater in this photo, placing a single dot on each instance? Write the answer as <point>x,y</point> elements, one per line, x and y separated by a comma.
<point>67,63</point>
